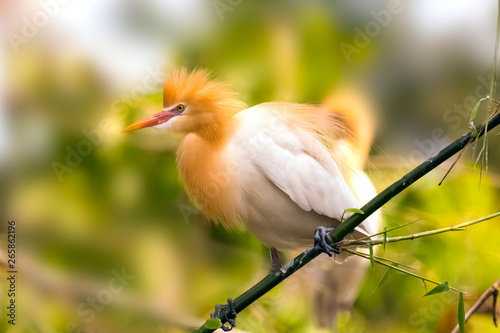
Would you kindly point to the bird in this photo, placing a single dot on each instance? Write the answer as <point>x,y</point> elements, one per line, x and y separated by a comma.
<point>285,171</point>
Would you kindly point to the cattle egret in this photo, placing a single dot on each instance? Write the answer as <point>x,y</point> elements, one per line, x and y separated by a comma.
<point>284,171</point>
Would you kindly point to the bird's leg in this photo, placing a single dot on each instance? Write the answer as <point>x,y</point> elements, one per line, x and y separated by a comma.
<point>320,243</point>
<point>275,259</point>
<point>230,316</point>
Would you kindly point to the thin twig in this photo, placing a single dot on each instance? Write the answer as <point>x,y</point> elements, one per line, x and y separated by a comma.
<point>379,241</point>
<point>491,292</point>
<point>455,162</point>
<point>378,261</point>
<point>387,231</point>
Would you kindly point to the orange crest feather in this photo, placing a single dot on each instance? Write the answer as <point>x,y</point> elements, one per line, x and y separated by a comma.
<point>197,87</point>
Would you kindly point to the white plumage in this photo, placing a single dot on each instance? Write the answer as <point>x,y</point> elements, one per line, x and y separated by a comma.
<point>287,182</point>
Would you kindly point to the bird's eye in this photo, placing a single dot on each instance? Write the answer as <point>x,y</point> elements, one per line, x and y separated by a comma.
<point>180,107</point>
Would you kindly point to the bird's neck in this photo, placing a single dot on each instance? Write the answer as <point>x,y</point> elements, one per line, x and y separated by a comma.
<point>204,170</point>
<point>216,133</point>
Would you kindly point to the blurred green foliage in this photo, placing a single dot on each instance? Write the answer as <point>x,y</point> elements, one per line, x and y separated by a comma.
<point>123,206</point>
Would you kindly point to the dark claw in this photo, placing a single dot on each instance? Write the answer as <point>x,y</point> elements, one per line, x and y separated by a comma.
<point>230,316</point>
<point>320,243</point>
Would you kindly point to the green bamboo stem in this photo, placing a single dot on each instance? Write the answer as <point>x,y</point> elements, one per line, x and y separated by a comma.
<point>380,241</point>
<point>380,262</point>
<point>348,226</point>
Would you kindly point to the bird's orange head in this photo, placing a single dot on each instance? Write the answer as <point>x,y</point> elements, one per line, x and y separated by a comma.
<point>192,103</point>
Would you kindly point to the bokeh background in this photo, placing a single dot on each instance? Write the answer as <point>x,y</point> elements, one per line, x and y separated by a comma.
<point>90,201</point>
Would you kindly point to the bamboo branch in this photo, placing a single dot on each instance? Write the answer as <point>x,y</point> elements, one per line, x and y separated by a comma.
<point>491,292</point>
<point>348,226</point>
<point>379,241</point>
<point>381,262</point>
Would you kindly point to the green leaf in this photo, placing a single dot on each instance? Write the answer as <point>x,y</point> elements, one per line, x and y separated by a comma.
<point>372,261</point>
<point>474,110</point>
<point>474,149</point>
<point>440,288</point>
<point>386,276</point>
<point>425,285</point>
<point>353,210</point>
<point>479,157</point>
<point>213,324</point>
<point>461,313</point>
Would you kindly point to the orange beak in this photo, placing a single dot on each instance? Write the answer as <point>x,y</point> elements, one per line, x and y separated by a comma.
<point>156,119</point>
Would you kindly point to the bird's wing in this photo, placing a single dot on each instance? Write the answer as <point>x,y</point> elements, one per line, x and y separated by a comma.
<point>301,167</point>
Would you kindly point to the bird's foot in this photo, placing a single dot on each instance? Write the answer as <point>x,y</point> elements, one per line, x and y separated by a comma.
<point>230,314</point>
<point>320,243</point>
